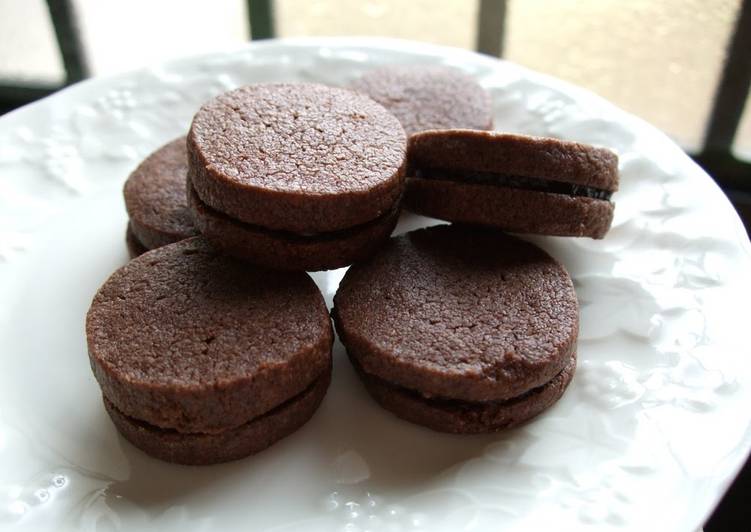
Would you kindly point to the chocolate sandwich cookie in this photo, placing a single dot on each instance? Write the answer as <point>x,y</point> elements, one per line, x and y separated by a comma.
<point>514,182</point>
<point>202,358</point>
<point>428,97</point>
<point>460,329</point>
<point>155,199</point>
<point>278,172</point>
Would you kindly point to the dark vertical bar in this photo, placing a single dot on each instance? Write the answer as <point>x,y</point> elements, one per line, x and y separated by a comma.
<point>261,15</point>
<point>732,91</point>
<point>14,96</point>
<point>69,40</point>
<point>491,19</point>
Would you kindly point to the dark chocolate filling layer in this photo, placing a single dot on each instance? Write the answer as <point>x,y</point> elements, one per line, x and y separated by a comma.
<point>535,184</point>
<point>289,235</point>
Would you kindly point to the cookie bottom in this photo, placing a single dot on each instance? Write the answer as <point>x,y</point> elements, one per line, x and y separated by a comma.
<point>510,209</point>
<point>135,248</point>
<point>464,417</point>
<point>280,250</point>
<point>233,444</point>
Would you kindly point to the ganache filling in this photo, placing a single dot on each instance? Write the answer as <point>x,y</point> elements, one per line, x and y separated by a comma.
<point>535,184</point>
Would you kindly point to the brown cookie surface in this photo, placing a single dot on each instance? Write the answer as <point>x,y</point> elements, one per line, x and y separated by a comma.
<point>232,444</point>
<point>428,97</point>
<point>297,157</point>
<point>459,313</point>
<point>281,250</point>
<point>155,197</point>
<point>185,338</point>
<point>513,182</point>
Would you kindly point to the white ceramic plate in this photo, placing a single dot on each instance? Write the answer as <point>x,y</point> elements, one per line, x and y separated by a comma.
<point>650,433</point>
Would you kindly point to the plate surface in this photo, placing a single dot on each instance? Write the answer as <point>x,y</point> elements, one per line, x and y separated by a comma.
<point>648,436</point>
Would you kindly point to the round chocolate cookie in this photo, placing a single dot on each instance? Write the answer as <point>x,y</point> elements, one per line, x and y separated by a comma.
<point>301,157</point>
<point>428,97</point>
<point>187,339</point>
<point>514,182</point>
<point>472,323</point>
<point>155,197</point>
<point>232,444</point>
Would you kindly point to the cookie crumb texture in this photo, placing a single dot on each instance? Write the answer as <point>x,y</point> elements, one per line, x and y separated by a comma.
<point>184,338</point>
<point>429,97</point>
<point>459,313</point>
<point>297,157</point>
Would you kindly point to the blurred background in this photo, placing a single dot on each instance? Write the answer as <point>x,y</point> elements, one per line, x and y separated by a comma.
<point>683,65</point>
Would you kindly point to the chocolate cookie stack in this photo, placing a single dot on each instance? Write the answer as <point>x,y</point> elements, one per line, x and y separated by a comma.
<point>203,359</point>
<point>296,176</point>
<point>213,347</point>
<point>463,328</point>
<point>460,329</point>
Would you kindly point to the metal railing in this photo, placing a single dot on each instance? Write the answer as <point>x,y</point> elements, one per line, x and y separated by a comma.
<point>727,109</point>
<point>716,156</point>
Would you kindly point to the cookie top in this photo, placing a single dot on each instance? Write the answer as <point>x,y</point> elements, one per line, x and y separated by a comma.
<point>428,97</point>
<point>460,313</point>
<point>185,338</point>
<point>155,197</point>
<point>519,156</point>
<point>299,157</point>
